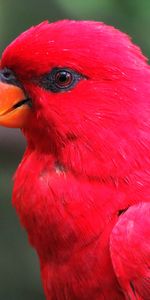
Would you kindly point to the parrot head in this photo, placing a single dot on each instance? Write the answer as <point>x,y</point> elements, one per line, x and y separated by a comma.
<point>80,90</point>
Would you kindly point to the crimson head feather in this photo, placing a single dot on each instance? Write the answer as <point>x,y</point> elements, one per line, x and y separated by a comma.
<point>103,102</point>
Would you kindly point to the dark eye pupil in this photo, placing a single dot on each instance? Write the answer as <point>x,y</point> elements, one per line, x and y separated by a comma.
<point>63,78</point>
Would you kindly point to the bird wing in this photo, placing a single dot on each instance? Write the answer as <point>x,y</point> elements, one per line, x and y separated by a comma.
<point>130,251</point>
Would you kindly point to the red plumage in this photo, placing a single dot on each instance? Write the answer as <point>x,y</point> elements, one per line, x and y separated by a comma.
<point>82,188</point>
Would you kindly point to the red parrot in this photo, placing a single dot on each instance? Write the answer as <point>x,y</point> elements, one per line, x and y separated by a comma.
<point>80,92</point>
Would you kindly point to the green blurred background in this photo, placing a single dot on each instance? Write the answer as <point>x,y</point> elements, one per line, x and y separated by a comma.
<point>19,270</point>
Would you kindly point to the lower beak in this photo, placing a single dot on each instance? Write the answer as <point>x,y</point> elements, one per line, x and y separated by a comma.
<point>14,106</point>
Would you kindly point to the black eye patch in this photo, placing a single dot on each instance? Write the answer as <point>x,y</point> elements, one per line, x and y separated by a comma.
<point>60,80</point>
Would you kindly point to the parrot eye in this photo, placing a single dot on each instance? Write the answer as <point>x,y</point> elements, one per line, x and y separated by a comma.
<point>60,80</point>
<point>63,79</point>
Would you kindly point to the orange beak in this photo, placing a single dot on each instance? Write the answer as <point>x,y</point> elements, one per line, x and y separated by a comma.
<point>14,106</point>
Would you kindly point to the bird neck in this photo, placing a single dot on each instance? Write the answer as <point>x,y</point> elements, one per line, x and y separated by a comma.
<point>57,207</point>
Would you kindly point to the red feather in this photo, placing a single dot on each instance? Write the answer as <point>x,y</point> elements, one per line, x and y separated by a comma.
<point>86,172</point>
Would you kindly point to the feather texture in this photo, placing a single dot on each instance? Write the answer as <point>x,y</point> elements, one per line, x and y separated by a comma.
<point>87,161</point>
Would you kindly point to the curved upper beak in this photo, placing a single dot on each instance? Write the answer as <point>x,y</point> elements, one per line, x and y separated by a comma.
<point>15,107</point>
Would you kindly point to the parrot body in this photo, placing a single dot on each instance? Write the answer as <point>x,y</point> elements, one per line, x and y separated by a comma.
<point>82,190</point>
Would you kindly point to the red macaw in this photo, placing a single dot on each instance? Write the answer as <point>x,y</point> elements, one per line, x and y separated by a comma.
<point>80,92</point>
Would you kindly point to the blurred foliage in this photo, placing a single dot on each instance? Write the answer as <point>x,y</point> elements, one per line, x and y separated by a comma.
<point>19,270</point>
<point>132,17</point>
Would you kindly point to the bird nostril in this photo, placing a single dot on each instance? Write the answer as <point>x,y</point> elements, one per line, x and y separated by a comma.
<point>7,74</point>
